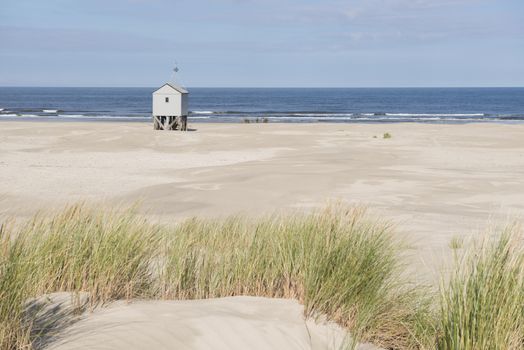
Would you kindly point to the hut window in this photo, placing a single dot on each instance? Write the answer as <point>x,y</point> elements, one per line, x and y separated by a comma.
<point>167,99</point>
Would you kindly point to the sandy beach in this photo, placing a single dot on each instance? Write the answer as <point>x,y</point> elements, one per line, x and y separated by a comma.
<point>433,181</point>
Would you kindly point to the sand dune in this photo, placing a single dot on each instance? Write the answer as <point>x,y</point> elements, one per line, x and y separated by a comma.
<point>225,323</point>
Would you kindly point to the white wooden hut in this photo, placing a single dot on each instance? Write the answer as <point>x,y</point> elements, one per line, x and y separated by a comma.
<point>170,104</point>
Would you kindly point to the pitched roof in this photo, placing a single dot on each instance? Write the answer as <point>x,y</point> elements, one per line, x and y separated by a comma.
<point>174,87</point>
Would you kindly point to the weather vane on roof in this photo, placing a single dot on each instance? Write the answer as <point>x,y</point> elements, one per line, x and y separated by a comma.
<point>175,71</point>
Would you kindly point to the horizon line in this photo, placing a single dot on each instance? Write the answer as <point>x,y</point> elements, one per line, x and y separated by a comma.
<point>270,87</point>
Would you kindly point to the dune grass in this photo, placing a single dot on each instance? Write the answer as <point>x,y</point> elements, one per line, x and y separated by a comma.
<point>340,263</point>
<point>483,304</point>
<point>336,262</point>
<point>456,242</point>
<point>107,255</point>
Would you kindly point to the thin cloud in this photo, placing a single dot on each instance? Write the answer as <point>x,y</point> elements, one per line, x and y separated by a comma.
<point>75,40</point>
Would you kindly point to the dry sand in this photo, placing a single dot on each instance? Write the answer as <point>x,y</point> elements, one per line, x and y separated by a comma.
<point>434,181</point>
<point>221,324</point>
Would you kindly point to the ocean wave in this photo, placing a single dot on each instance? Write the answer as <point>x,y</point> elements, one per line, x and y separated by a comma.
<point>72,116</point>
<point>323,114</point>
<point>307,114</point>
<point>202,112</point>
<point>435,114</point>
<point>28,110</point>
<point>511,117</point>
<point>381,118</point>
<point>198,117</point>
<point>344,116</point>
<point>105,117</point>
<point>12,115</point>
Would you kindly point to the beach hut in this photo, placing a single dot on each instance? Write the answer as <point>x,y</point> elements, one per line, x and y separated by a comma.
<point>170,104</point>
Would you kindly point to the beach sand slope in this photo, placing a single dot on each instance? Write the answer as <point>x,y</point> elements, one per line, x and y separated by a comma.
<point>232,323</point>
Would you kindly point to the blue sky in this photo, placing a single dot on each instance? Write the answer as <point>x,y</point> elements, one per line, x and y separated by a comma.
<point>303,43</point>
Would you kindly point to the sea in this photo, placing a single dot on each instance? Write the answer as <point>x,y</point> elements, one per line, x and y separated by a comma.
<point>287,105</point>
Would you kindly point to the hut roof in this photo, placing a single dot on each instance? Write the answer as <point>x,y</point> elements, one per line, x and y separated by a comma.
<point>174,87</point>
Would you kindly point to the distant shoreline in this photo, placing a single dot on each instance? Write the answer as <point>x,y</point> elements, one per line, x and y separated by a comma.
<point>252,120</point>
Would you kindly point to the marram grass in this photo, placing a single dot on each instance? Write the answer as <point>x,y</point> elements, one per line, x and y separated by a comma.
<point>338,262</point>
<point>108,255</point>
<point>482,307</point>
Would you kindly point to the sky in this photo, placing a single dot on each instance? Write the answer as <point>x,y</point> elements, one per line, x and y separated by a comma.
<point>262,43</point>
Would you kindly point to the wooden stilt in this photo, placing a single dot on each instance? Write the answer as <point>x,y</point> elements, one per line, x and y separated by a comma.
<point>181,121</point>
<point>171,125</point>
<point>162,122</point>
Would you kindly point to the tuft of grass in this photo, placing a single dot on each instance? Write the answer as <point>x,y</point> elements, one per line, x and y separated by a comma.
<point>482,307</point>
<point>387,135</point>
<point>337,262</point>
<point>108,255</point>
<point>456,242</point>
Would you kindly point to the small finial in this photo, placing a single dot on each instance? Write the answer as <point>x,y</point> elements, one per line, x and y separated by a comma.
<point>175,71</point>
